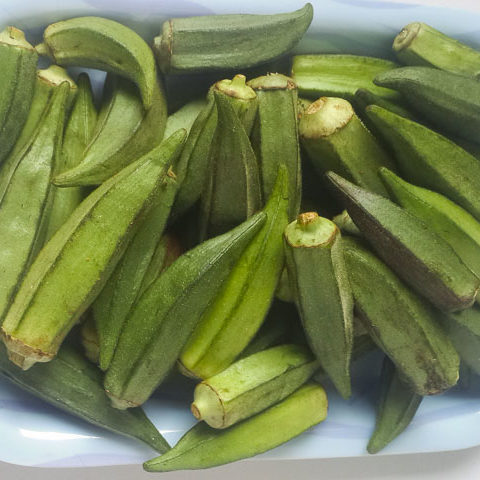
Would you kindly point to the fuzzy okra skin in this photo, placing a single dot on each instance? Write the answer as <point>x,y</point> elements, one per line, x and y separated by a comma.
<point>228,42</point>
<point>335,139</point>
<point>205,447</point>
<point>449,221</point>
<point>402,324</point>
<point>74,385</point>
<point>162,319</point>
<point>17,83</point>
<point>26,200</point>
<point>78,132</point>
<point>112,306</point>
<point>184,117</point>
<point>124,132</point>
<point>421,44</point>
<point>430,160</point>
<point>104,44</point>
<point>418,255</point>
<point>72,268</point>
<point>447,100</point>
<point>397,406</point>
<point>345,223</point>
<point>252,384</point>
<point>318,278</point>
<point>233,191</point>
<point>275,135</point>
<point>239,310</point>
<point>339,75</point>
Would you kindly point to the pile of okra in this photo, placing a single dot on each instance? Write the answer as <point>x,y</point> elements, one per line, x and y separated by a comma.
<point>232,213</point>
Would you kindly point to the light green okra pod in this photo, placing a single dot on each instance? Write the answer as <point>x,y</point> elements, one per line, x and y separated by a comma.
<point>25,198</point>
<point>164,317</point>
<point>74,265</point>
<point>78,132</point>
<point>232,320</point>
<point>204,447</point>
<point>403,325</point>
<point>397,406</point>
<point>18,60</point>
<point>184,117</point>
<point>421,44</point>
<point>124,132</point>
<point>252,384</point>
<point>90,340</point>
<point>319,281</point>
<point>335,139</point>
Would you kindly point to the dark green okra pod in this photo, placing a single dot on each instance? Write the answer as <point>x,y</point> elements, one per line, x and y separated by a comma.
<point>403,325</point>
<point>430,160</point>
<point>26,200</point>
<point>335,139</point>
<point>204,447</point>
<point>275,134</point>
<point>252,384</point>
<point>397,406</point>
<point>419,256</point>
<point>74,265</point>
<point>320,286</point>
<point>74,385</point>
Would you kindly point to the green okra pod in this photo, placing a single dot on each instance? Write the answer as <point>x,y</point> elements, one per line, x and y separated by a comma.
<point>74,385</point>
<point>345,223</point>
<point>397,406</point>
<point>18,60</point>
<point>335,139</point>
<point>162,319</point>
<point>335,75</point>
<point>78,132</point>
<point>95,42</point>
<point>90,340</point>
<point>232,192</point>
<point>275,136</point>
<point>252,384</point>
<point>419,256</point>
<point>184,117</point>
<point>124,132</point>
<point>420,44</point>
<point>216,42</point>
<point>204,447</point>
<point>449,221</point>
<point>239,310</point>
<point>447,100</point>
<point>26,200</point>
<point>430,160</point>
<point>403,325</point>
<point>74,265</point>
<point>365,97</point>
<point>320,286</point>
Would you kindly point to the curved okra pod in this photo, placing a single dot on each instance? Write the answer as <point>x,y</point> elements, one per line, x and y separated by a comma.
<point>397,406</point>
<point>335,75</point>
<point>430,160</point>
<point>74,385</point>
<point>447,100</point>
<point>403,325</point>
<point>418,255</point>
<point>74,265</point>
<point>165,315</point>
<point>421,44</point>
<point>26,200</point>
<point>449,221</point>
<point>124,132</point>
<point>335,139</point>
<point>215,42</point>
<point>204,447</point>
<point>318,277</point>
<point>19,64</point>
<point>78,132</point>
<point>252,384</point>
<point>275,134</point>
<point>237,313</point>
<point>232,192</point>
<point>96,42</point>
